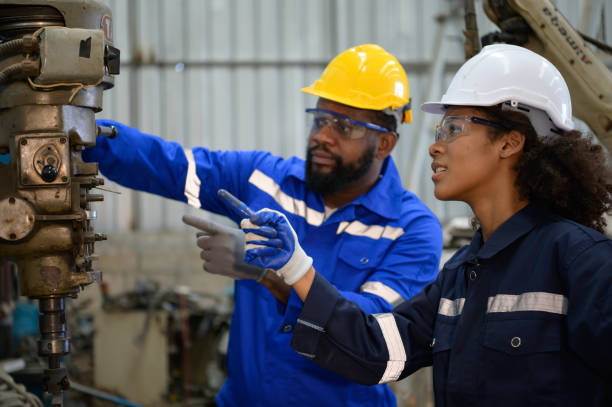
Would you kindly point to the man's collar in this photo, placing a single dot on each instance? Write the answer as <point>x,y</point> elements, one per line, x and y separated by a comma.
<point>511,230</point>
<point>384,198</point>
<point>298,171</point>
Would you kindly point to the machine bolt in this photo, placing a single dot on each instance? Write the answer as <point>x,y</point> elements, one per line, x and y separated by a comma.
<point>94,237</point>
<point>65,383</point>
<point>63,140</point>
<point>12,201</point>
<point>23,142</point>
<point>30,43</point>
<point>49,173</point>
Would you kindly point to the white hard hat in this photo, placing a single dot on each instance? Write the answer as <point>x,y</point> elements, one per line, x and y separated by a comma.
<point>507,73</point>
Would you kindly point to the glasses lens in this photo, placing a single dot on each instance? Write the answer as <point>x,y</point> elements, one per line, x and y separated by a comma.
<point>338,126</point>
<point>450,128</point>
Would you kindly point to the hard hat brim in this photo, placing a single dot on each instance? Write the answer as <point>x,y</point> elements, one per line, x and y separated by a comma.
<point>345,101</point>
<point>441,108</point>
<point>335,98</point>
<point>406,116</point>
<point>434,107</point>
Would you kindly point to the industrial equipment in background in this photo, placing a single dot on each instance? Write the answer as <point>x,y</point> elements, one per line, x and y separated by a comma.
<point>174,337</point>
<point>56,58</point>
<point>540,27</point>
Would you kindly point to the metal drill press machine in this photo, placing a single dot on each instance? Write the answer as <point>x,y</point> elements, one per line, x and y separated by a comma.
<point>56,59</point>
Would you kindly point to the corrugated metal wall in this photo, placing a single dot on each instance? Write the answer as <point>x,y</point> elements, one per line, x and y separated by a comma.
<point>227,74</point>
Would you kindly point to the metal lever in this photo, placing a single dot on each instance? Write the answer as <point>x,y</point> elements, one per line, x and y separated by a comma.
<point>110,131</point>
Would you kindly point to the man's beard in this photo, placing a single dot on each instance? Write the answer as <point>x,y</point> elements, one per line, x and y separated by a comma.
<point>341,175</point>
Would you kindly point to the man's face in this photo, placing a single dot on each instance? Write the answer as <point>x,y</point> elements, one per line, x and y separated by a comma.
<point>334,162</point>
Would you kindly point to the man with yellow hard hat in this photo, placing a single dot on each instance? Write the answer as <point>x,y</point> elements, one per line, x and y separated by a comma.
<point>377,243</point>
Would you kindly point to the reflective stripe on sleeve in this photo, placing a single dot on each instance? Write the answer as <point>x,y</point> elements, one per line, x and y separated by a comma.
<point>451,308</point>
<point>375,232</point>
<point>307,355</point>
<point>385,292</point>
<point>192,182</point>
<point>395,347</point>
<point>310,325</point>
<point>534,301</point>
<point>288,203</point>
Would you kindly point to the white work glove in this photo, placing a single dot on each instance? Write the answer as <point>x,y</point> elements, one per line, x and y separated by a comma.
<point>223,250</point>
<point>271,243</point>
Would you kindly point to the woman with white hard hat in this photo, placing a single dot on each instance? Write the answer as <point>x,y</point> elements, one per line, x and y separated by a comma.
<point>522,316</point>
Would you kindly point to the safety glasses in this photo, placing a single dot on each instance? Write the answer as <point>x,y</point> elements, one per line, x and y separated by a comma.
<point>452,127</point>
<point>341,125</point>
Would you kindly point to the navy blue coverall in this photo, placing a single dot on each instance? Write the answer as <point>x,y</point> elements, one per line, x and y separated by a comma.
<point>522,320</point>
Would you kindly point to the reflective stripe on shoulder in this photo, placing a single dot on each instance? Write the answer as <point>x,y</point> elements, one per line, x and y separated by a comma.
<point>192,182</point>
<point>395,347</point>
<point>385,292</point>
<point>534,301</point>
<point>451,308</point>
<point>288,203</point>
<point>375,232</point>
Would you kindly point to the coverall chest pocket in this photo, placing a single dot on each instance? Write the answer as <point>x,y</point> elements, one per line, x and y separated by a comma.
<point>527,354</point>
<point>360,255</point>
<point>441,345</point>
<point>443,334</point>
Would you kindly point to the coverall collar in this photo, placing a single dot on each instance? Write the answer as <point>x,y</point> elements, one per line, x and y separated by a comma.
<point>511,230</point>
<point>384,199</point>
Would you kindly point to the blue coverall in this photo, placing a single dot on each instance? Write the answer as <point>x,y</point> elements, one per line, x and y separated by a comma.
<point>378,250</point>
<point>524,319</point>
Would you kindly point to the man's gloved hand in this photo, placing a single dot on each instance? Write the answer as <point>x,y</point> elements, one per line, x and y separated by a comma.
<point>223,250</point>
<point>272,243</point>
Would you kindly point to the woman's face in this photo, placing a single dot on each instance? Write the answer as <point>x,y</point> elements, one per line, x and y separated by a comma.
<point>465,160</point>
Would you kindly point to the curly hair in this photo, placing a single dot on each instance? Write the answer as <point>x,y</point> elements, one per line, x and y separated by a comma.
<point>567,172</point>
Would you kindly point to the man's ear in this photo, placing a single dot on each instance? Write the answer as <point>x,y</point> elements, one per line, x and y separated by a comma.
<point>512,143</point>
<point>386,143</point>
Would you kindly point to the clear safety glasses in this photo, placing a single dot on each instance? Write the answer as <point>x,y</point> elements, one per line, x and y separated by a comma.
<point>341,125</point>
<point>452,127</point>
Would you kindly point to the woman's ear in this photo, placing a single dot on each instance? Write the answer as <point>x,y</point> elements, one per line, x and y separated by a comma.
<point>386,143</point>
<point>512,143</point>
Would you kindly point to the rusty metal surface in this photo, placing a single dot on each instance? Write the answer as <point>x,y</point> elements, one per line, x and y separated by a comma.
<point>20,93</point>
<point>45,213</point>
<point>18,218</point>
<point>42,13</point>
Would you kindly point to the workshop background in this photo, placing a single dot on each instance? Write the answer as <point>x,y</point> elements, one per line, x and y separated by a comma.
<point>227,74</point>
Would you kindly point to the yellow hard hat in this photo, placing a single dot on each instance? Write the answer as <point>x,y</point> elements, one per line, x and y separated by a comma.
<point>366,77</point>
